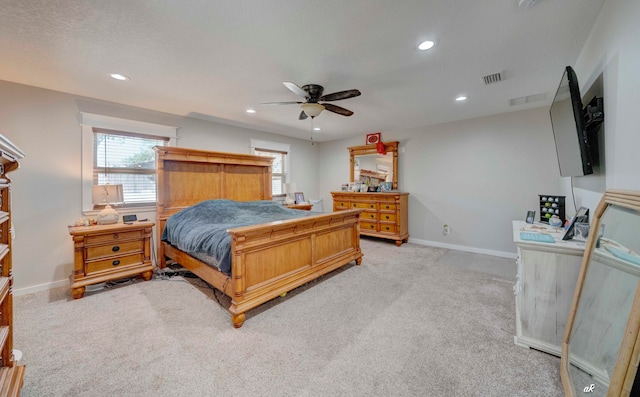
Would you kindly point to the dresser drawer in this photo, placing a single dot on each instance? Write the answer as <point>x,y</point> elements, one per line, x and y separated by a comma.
<point>387,206</point>
<point>114,249</point>
<point>114,262</point>
<point>387,217</point>
<point>367,225</point>
<point>341,205</point>
<point>369,215</point>
<point>388,228</point>
<point>114,237</point>
<point>370,206</point>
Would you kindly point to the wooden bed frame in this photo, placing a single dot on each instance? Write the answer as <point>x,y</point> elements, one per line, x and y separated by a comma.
<point>268,259</point>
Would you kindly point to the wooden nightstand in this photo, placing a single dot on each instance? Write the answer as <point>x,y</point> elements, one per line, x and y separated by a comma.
<point>110,252</point>
<point>302,206</point>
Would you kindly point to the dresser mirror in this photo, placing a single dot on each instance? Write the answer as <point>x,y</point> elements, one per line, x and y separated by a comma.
<point>371,167</point>
<point>601,349</point>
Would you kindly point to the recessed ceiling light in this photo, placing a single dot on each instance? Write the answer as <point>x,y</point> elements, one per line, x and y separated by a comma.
<point>119,76</point>
<point>316,128</point>
<point>426,45</point>
<point>461,98</point>
<point>251,111</point>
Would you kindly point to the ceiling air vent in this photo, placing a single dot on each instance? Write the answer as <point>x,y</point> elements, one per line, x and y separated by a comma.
<point>492,78</point>
<point>527,99</point>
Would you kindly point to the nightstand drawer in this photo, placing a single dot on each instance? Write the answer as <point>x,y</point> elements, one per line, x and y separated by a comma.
<point>114,237</point>
<point>114,249</point>
<point>112,263</point>
<point>385,206</point>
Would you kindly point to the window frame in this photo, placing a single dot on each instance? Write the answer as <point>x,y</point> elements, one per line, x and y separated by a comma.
<point>97,169</point>
<point>89,121</point>
<point>276,147</point>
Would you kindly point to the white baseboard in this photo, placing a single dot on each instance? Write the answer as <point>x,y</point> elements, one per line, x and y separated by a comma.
<point>501,254</point>
<point>41,287</point>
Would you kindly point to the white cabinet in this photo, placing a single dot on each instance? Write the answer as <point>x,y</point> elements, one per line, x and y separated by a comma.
<point>546,278</point>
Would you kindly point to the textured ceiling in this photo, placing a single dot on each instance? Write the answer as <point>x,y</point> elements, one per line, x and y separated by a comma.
<point>213,59</point>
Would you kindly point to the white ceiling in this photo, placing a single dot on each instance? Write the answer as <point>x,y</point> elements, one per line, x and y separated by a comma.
<point>213,59</point>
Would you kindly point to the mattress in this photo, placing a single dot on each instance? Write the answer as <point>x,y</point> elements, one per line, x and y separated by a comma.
<point>201,230</point>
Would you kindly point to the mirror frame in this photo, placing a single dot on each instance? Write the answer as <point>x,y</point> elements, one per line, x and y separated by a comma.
<point>624,372</point>
<point>389,147</point>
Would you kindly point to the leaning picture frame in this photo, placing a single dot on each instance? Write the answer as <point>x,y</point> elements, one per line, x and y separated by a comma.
<point>299,197</point>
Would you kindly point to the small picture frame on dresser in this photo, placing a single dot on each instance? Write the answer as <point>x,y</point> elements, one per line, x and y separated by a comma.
<point>531,215</point>
<point>299,197</point>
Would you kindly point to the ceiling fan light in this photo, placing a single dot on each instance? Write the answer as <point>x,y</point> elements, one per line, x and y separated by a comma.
<point>312,109</point>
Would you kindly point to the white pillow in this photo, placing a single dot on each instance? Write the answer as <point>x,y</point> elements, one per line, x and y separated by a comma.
<point>317,205</point>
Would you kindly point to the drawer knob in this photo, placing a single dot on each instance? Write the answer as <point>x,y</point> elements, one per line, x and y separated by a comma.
<point>387,227</point>
<point>116,236</point>
<point>371,205</point>
<point>115,248</point>
<point>116,262</point>
<point>354,205</point>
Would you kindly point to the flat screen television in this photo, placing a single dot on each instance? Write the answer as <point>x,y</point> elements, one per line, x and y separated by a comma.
<point>569,131</point>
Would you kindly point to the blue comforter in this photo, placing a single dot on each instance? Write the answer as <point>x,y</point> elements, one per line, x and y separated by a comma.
<point>202,228</point>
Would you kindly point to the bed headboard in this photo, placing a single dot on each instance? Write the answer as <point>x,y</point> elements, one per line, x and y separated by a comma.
<point>189,176</point>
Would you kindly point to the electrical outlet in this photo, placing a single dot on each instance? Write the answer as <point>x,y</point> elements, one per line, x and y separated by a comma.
<point>445,230</point>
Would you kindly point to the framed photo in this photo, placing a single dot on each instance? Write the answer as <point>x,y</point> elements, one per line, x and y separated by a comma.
<point>531,215</point>
<point>374,138</point>
<point>582,216</point>
<point>299,197</point>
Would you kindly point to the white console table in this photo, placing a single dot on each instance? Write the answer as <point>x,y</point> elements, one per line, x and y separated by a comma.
<point>546,278</point>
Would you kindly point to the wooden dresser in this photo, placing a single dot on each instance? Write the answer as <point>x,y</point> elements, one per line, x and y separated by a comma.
<point>384,215</point>
<point>11,374</point>
<point>110,252</point>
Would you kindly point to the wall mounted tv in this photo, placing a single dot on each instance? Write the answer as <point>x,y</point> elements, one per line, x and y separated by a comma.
<point>570,128</point>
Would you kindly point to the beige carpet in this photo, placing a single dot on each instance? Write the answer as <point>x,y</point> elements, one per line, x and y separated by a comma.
<point>411,321</point>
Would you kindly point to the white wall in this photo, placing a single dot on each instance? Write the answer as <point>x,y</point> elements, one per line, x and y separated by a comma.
<point>47,187</point>
<point>612,52</point>
<point>475,175</point>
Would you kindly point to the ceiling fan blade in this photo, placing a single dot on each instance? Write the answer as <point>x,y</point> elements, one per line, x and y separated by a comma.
<point>293,87</point>
<point>280,103</point>
<point>303,115</point>
<point>337,109</point>
<point>340,95</point>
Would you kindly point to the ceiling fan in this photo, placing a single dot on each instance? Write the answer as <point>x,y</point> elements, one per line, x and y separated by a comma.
<point>312,93</point>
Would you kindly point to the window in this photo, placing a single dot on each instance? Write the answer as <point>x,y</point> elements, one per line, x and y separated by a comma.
<point>278,176</point>
<point>280,169</point>
<point>118,150</point>
<point>127,159</point>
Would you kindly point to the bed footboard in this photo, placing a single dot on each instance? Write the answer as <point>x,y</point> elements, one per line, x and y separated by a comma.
<point>273,258</point>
